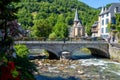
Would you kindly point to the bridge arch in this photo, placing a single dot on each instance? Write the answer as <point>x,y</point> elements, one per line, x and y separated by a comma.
<point>95,51</point>
<point>99,52</point>
<point>52,53</point>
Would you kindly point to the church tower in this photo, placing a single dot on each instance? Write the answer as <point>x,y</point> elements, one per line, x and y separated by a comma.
<point>77,30</point>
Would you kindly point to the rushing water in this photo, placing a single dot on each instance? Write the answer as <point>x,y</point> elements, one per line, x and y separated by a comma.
<point>86,67</point>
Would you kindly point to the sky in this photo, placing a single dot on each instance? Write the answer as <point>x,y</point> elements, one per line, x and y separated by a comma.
<point>98,3</point>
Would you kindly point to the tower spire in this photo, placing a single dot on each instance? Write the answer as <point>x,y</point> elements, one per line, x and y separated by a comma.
<point>76,16</point>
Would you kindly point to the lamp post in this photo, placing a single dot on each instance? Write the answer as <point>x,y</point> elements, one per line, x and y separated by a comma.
<point>1,35</point>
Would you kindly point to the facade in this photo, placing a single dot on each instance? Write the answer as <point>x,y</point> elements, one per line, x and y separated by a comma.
<point>106,16</point>
<point>77,30</point>
<point>94,29</point>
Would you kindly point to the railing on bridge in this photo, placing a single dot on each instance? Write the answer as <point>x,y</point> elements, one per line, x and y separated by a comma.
<point>60,42</point>
<point>67,39</point>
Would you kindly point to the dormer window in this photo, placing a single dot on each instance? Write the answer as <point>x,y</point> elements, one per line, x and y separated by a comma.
<point>107,14</point>
<point>116,9</point>
<point>102,16</point>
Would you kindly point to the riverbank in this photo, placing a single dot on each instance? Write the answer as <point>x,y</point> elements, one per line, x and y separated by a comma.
<point>114,51</point>
<point>83,69</point>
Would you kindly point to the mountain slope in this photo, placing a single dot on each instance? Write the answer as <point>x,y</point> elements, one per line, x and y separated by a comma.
<point>54,11</point>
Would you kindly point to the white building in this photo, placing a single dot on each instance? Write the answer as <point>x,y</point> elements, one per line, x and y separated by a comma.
<point>107,15</point>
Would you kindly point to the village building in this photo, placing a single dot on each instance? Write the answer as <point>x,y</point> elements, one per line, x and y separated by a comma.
<point>94,29</point>
<point>77,30</point>
<point>106,16</point>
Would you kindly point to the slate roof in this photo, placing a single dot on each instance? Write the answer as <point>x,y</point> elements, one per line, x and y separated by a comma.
<point>110,9</point>
<point>95,24</point>
<point>76,16</point>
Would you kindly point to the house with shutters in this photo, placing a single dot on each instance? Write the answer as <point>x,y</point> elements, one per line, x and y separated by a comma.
<point>106,16</point>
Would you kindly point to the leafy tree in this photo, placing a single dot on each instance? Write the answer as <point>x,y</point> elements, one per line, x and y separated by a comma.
<point>41,15</point>
<point>25,18</point>
<point>61,30</point>
<point>52,19</point>
<point>69,20</point>
<point>41,28</point>
<point>52,36</point>
<point>55,11</point>
<point>23,62</point>
<point>118,25</point>
<point>9,28</point>
<point>118,22</point>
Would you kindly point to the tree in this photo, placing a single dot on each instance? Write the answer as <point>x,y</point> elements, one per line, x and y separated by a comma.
<point>25,18</point>
<point>69,20</point>
<point>7,17</point>
<point>9,68</point>
<point>7,25</point>
<point>55,11</point>
<point>118,25</point>
<point>118,22</point>
<point>52,36</point>
<point>61,30</point>
<point>41,28</point>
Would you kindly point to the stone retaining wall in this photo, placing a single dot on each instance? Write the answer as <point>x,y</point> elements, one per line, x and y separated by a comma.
<point>114,53</point>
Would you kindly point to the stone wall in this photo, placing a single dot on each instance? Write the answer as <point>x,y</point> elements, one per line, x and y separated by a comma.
<point>114,52</point>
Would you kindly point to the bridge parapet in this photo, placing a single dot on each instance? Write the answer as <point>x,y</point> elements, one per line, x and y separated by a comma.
<point>57,47</point>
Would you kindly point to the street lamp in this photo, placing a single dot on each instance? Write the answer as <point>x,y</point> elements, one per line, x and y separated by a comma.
<point>1,35</point>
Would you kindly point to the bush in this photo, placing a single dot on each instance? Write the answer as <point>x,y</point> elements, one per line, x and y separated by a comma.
<point>52,36</point>
<point>25,67</point>
<point>21,50</point>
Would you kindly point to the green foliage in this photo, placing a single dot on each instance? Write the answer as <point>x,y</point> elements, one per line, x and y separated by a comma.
<point>52,36</point>
<point>25,18</point>
<point>85,50</point>
<point>46,53</point>
<point>69,20</point>
<point>7,9</point>
<point>23,64</point>
<point>21,50</point>
<point>111,27</point>
<point>41,28</point>
<point>61,30</point>
<point>118,22</point>
<point>118,26</point>
<point>7,14</point>
<point>54,11</point>
<point>108,5</point>
<point>25,67</point>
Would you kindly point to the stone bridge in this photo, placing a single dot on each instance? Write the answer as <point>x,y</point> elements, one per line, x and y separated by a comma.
<point>55,48</point>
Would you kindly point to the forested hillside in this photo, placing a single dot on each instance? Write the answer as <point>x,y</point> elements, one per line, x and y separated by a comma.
<point>52,18</point>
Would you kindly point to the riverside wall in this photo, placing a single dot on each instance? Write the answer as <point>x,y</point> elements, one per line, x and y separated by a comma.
<point>114,51</point>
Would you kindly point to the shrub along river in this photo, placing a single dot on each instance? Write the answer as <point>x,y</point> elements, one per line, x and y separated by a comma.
<point>83,67</point>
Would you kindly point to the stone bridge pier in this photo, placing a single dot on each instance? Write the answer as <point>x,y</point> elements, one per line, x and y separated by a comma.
<point>57,49</point>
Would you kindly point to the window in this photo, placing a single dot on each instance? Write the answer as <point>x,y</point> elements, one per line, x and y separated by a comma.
<point>107,14</point>
<point>107,30</point>
<point>102,30</point>
<point>107,21</point>
<point>113,20</point>
<point>102,16</point>
<point>116,9</point>
<point>102,22</point>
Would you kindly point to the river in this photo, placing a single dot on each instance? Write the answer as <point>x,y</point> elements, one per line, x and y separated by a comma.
<point>84,67</point>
